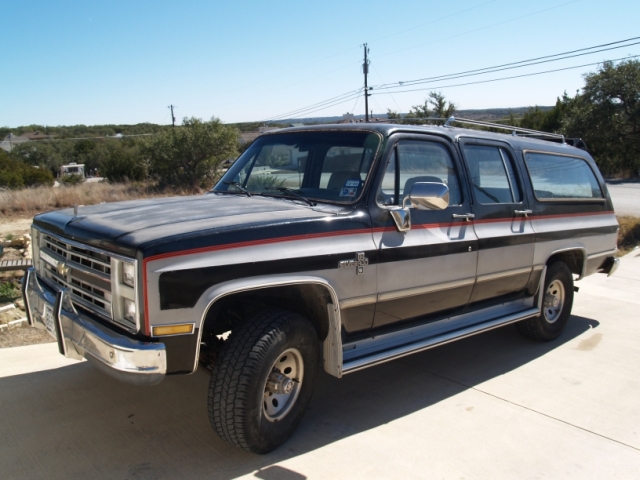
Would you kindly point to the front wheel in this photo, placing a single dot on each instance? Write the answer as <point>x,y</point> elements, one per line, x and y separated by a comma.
<point>264,380</point>
<point>557,301</point>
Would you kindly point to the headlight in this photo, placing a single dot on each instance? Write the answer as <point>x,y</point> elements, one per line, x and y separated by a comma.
<point>130,310</point>
<point>128,274</point>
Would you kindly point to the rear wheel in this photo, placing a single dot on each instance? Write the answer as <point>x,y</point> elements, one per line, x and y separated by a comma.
<point>263,380</point>
<point>557,301</point>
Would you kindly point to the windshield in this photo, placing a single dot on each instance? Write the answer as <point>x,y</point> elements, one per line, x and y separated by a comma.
<point>326,166</point>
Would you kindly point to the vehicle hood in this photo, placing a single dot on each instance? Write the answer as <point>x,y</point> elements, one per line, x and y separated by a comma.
<point>126,227</point>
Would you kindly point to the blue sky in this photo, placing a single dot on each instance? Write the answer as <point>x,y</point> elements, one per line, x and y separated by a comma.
<point>72,62</point>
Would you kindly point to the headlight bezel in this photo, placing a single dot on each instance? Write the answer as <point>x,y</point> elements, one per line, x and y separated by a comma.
<point>128,274</point>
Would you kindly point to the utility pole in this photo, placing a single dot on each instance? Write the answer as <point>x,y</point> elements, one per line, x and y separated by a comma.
<point>365,70</point>
<point>173,119</point>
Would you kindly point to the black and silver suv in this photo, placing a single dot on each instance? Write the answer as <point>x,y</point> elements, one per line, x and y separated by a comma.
<point>339,245</point>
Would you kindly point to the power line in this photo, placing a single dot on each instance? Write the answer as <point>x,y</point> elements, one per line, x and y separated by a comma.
<point>512,77</point>
<point>513,65</point>
<point>347,96</point>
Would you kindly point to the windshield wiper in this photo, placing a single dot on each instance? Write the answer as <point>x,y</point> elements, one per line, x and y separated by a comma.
<point>239,186</point>
<point>293,193</point>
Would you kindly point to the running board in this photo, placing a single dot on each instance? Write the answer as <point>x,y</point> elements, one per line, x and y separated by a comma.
<point>435,341</point>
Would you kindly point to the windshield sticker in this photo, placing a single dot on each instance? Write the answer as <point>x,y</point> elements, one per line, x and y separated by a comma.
<point>348,192</point>
<point>352,183</point>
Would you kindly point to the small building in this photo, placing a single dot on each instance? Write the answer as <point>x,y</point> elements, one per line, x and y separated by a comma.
<point>72,169</point>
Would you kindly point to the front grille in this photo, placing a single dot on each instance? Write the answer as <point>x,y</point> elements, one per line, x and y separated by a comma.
<point>85,271</point>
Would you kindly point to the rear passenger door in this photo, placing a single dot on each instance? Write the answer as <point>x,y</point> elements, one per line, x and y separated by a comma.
<point>428,271</point>
<point>505,236</point>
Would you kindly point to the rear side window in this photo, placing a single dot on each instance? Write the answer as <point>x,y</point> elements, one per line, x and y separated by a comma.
<point>492,174</point>
<point>558,177</point>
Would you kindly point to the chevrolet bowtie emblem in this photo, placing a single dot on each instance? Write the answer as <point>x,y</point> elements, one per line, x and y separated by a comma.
<point>358,263</point>
<point>62,268</point>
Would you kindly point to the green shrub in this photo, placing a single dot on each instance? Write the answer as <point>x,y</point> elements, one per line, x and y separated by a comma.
<point>14,173</point>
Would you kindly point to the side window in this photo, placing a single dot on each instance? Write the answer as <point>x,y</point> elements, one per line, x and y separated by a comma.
<point>560,177</point>
<point>418,162</point>
<point>492,174</point>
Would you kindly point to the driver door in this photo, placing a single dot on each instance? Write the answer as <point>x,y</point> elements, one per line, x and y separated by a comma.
<point>429,271</point>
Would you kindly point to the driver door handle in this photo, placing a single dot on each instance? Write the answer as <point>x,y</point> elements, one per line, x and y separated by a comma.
<point>525,213</point>
<point>467,216</point>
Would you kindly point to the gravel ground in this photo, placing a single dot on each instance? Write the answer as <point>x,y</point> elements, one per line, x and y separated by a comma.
<point>19,337</point>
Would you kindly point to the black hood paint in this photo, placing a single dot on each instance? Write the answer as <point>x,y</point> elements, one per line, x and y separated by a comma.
<point>140,225</point>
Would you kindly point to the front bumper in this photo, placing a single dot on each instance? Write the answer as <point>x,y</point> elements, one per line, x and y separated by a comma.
<point>78,336</point>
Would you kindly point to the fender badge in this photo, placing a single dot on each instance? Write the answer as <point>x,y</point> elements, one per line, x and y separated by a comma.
<point>359,263</point>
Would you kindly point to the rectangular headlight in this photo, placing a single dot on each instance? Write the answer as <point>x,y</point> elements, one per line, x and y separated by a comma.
<point>129,313</point>
<point>128,274</point>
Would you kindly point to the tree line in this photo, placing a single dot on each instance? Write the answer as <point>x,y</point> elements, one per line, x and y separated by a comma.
<point>187,156</point>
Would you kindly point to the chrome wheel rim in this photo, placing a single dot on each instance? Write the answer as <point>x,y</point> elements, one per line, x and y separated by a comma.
<point>553,301</point>
<point>283,384</point>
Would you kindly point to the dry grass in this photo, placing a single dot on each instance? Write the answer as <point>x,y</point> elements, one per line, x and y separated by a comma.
<point>32,201</point>
<point>629,233</point>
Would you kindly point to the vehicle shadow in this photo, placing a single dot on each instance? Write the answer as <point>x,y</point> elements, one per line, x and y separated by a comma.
<point>76,422</point>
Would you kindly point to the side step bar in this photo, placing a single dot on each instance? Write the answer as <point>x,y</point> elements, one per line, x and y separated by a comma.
<point>435,341</point>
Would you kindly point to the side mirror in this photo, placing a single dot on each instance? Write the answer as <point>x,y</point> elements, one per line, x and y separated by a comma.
<point>423,196</point>
<point>428,196</point>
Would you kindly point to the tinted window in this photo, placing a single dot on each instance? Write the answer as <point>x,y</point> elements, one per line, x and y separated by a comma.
<point>316,165</point>
<point>559,177</point>
<point>492,174</point>
<point>419,162</point>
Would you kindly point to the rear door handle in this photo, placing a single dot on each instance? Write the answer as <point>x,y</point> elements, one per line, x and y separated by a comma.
<point>467,216</point>
<point>525,213</point>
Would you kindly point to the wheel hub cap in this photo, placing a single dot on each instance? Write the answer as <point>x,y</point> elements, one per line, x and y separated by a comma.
<point>553,301</point>
<point>283,385</point>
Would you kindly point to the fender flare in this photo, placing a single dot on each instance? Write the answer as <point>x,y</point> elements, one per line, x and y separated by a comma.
<point>332,345</point>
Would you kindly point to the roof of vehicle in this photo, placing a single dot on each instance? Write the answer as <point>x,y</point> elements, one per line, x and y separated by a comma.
<point>451,132</point>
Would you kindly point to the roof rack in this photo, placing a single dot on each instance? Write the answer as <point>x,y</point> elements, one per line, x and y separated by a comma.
<point>515,131</point>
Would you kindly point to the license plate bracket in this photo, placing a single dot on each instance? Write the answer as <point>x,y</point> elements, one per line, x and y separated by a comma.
<point>49,321</point>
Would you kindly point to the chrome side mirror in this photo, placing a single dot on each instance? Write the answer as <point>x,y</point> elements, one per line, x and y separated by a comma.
<point>428,196</point>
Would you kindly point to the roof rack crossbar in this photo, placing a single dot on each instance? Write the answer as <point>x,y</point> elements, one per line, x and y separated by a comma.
<point>516,131</point>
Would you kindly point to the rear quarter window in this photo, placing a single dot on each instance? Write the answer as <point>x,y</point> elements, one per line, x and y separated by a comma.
<point>559,177</point>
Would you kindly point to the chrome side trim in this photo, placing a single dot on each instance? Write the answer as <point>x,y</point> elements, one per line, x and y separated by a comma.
<point>411,292</point>
<point>408,349</point>
<point>506,273</point>
<point>357,301</point>
<point>257,283</point>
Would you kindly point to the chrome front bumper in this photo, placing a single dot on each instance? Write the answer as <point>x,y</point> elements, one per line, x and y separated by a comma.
<point>78,336</point>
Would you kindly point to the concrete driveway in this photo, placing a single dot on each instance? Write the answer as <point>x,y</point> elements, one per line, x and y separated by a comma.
<point>492,406</point>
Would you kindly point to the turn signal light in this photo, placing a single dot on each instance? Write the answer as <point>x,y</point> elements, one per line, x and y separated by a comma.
<point>172,329</point>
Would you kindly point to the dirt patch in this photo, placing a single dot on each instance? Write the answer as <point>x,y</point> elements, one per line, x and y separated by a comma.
<point>19,337</point>
<point>14,226</point>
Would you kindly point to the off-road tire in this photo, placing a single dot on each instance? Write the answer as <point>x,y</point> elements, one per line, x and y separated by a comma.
<point>238,380</point>
<point>541,328</point>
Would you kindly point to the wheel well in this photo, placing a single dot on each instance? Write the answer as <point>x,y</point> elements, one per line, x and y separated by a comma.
<point>308,300</point>
<point>573,258</point>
